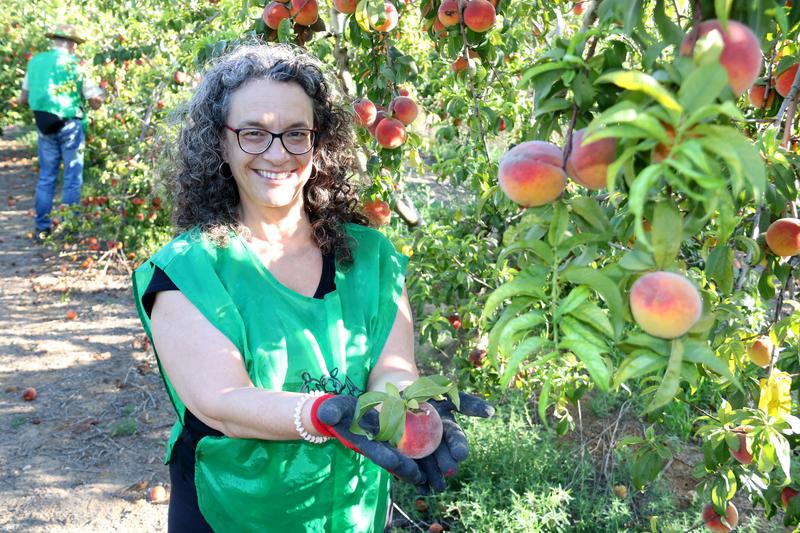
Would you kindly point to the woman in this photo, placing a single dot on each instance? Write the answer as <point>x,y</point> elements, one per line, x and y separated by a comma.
<point>274,309</point>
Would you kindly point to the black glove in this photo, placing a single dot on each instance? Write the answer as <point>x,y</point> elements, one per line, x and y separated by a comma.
<point>444,461</point>
<point>332,416</point>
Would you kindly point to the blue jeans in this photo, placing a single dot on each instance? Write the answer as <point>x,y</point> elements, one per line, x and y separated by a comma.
<point>66,146</point>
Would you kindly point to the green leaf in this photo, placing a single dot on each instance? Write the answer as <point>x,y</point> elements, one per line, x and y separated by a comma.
<point>516,325</point>
<point>588,209</point>
<point>637,198</point>
<point>601,284</point>
<point>365,402</point>
<point>670,31</point>
<point>544,398</point>
<point>719,267</point>
<point>484,198</point>
<point>392,420</point>
<point>523,285</point>
<point>541,249</point>
<point>576,297</point>
<point>627,113</point>
<point>574,329</point>
<point>506,316</point>
<point>427,387</point>
<point>643,340</point>
<point>645,469</point>
<point>362,15</point>
<point>667,233</point>
<point>637,261</point>
<point>702,86</point>
<point>558,224</point>
<point>525,349</point>
<point>638,364</point>
<point>723,8</point>
<point>699,352</point>
<point>672,378</point>
<point>639,81</point>
<point>589,313</point>
<point>532,72</point>
<point>736,150</point>
<point>592,358</point>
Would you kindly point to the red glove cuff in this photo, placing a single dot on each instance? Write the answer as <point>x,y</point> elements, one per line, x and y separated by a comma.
<point>322,428</point>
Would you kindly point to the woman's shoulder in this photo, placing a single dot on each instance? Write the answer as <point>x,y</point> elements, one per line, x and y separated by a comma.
<point>191,243</point>
<point>365,235</point>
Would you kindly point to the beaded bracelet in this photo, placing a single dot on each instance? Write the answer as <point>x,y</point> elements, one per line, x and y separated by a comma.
<point>298,424</point>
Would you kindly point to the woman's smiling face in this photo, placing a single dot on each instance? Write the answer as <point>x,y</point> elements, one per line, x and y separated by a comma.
<point>270,183</point>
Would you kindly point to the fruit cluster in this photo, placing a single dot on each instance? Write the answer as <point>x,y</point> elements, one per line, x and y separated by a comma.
<point>387,126</point>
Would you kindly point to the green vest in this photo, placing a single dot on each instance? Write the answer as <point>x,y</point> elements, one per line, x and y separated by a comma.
<point>55,84</point>
<point>289,342</point>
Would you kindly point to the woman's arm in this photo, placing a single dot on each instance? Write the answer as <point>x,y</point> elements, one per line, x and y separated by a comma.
<point>209,375</point>
<point>396,363</point>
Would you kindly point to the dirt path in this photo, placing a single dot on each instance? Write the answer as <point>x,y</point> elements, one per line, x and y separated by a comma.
<point>80,456</point>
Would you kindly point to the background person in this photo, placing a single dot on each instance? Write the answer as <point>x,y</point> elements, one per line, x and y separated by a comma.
<point>55,89</point>
<point>274,308</point>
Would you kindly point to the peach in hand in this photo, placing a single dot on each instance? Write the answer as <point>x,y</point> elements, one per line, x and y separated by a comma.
<point>422,433</point>
<point>665,304</point>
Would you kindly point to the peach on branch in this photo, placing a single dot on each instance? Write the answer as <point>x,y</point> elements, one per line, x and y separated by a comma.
<point>274,13</point>
<point>531,173</point>
<point>391,17</point>
<point>365,112</point>
<point>783,83</point>
<point>786,495</point>
<point>783,237</point>
<point>760,352</point>
<point>404,109</point>
<point>378,212</point>
<point>713,521</point>
<point>756,95</point>
<point>422,433</point>
<point>345,6</point>
<point>588,164</point>
<point>304,12</point>
<point>479,15</point>
<point>179,78</point>
<point>741,52</point>
<point>665,304</point>
<point>379,116</point>
<point>390,133</point>
<point>448,13</point>
<point>744,454</point>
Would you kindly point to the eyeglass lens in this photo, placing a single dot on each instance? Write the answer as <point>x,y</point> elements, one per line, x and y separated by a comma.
<point>256,141</point>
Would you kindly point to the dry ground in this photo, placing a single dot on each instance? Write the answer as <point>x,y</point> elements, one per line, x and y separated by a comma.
<point>80,456</point>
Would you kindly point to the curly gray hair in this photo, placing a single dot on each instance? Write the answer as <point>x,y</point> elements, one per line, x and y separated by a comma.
<point>203,190</point>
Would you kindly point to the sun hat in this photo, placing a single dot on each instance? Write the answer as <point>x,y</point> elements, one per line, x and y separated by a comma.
<point>66,31</point>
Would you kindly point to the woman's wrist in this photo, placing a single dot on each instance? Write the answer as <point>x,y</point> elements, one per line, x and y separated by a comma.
<point>303,419</point>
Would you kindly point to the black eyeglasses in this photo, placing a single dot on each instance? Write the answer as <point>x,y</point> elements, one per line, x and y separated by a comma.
<point>255,141</point>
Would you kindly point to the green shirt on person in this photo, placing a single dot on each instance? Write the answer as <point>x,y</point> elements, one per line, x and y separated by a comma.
<point>289,342</point>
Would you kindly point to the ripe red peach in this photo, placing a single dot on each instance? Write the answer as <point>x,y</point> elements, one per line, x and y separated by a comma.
<point>786,495</point>
<point>274,13</point>
<point>588,164</point>
<point>305,12</point>
<point>379,116</point>
<point>157,494</point>
<point>378,212</point>
<point>390,133</point>
<point>448,13</point>
<point>760,352</point>
<point>531,173</point>
<point>744,455</point>
<point>459,65</point>
<point>713,521</point>
<point>665,304</point>
<point>783,237</point>
<point>404,109</point>
<point>756,95</point>
<point>422,433</point>
<point>345,6</point>
<point>741,52</point>
<point>783,83</point>
<point>29,394</point>
<point>391,17</point>
<point>479,15</point>
<point>365,112</point>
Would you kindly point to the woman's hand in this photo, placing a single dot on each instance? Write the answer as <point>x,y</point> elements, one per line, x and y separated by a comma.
<point>332,415</point>
<point>444,461</point>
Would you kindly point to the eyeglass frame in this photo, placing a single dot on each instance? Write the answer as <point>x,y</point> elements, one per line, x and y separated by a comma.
<point>272,139</point>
